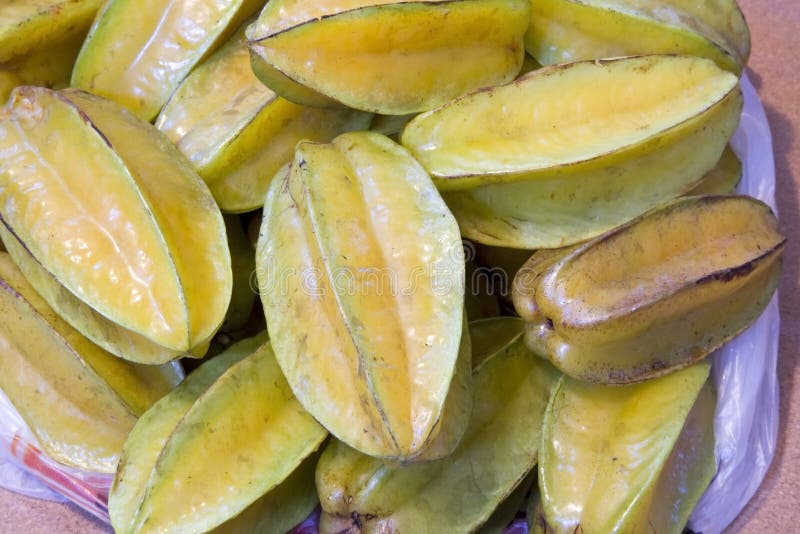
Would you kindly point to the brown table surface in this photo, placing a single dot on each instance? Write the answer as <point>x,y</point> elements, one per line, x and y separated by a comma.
<point>775,70</point>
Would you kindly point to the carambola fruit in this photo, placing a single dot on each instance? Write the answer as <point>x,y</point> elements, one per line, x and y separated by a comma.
<point>104,206</point>
<point>567,152</point>
<point>574,30</point>
<point>387,57</point>
<point>654,295</point>
<point>361,274</point>
<point>230,435</point>
<point>138,51</point>
<point>631,458</point>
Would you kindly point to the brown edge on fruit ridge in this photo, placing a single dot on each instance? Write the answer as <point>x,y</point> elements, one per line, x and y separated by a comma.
<point>553,70</point>
<point>299,171</point>
<point>84,117</point>
<point>678,204</point>
<point>379,7</point>
<point>64,97</point>
<point>392,6</point>
<point>710,41</point>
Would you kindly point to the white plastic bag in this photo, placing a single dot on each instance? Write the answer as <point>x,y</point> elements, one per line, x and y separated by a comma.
<point>744,373</point>
<point>24,468</point>
<point>745,370</point>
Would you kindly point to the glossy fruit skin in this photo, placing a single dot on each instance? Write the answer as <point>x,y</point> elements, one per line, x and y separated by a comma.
<point>357,242</point>
<point>633,458</point>
<point>575,30</point>
<point>109,335</point>
<point>146,441</point>
<point>79,400</point>
<point>148,256</point>
<point>392,58</point>
<point>197,459</point>
<point>656,294</point>
<point>137,52</point>
<point>459,493</point>
<point>237,132</point>
<point>540,176</point>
